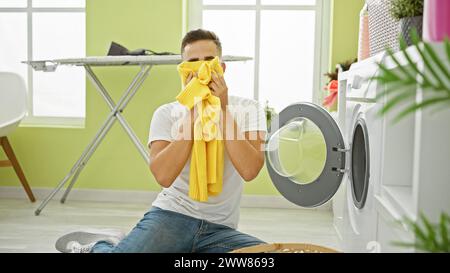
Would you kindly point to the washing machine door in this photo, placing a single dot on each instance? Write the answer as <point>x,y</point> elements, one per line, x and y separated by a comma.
<point>305,154</point>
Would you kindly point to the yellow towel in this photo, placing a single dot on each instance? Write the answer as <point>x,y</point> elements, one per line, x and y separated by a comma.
<point>207,159</point>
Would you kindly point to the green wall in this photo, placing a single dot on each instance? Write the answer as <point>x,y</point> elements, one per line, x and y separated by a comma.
<point>47,154</point>
<point>344,30</point>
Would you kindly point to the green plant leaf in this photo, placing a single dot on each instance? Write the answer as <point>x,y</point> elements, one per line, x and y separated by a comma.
<point>433,244</point>
<point>389,74</point>
<point>393,88</point>
<point>440,66</point>
<point>405,8</point>
<point>402,43</point>
<point>401,67</point>
<point>421,242</point>
<point>416,40</point>
<point>435,58</point>
<point>444,233</point>
<point>416,228</point>
<point>447,47</point>
<point>424,104</point>
<point>427,238</point>
<point>438,107</point>
<point>397,100</point>
<point>446,216</point>
<point>383,79</point>
<point>425,81</point>
<point>386,79</point>
<point>403,244</point>
<point>416,246</point>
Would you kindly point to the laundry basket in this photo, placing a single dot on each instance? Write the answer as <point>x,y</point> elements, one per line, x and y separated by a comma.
<point>285,248</point>
<point>384,30</point>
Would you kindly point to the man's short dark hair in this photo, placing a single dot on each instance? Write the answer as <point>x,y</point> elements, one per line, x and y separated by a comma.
<point>198,35</point>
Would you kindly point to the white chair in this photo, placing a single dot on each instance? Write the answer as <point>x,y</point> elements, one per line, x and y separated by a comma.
<point>13,102</point>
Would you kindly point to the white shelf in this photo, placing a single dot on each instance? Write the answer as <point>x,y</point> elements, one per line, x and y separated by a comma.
<point>401,197</point>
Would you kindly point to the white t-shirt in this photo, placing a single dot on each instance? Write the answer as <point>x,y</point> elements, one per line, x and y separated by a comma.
<point>223,208</point>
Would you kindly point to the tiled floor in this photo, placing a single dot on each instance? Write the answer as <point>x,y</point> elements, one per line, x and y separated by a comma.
<point>22,231</point>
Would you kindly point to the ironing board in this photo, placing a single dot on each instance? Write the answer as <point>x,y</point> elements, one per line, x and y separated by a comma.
<point>145,63</point>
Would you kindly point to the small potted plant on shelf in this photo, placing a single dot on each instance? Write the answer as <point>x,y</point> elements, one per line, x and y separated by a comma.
<point>410,15</point>
<point>436,84</point>
<point>330,101</point>
<point>270,114</point>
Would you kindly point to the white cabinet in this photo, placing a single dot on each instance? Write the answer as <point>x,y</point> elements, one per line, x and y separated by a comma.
<point>415,169</point>
<point>389,231</point>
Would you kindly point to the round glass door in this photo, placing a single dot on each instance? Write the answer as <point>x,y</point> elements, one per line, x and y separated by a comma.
<point>306,155</point>
<point>298,151</point>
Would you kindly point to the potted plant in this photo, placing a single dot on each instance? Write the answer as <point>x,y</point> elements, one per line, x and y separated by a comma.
<point>410,15</point>
<point>400,82</point>
<point>270,114</point>
<point>330,101</point>
<point>429,237</point>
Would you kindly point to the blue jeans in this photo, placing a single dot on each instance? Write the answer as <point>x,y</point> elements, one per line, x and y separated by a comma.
<point>167,231</point>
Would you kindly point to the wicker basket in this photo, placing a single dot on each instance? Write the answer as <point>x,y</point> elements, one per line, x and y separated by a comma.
<point>285,248</point>
<point>383,29</point>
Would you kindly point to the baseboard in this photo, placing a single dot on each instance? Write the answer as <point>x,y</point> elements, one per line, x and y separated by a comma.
<point>127,196</point>
<point>94,195</point>
<point>274,201</point>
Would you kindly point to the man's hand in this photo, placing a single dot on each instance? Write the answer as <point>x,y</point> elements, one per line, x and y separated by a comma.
<point>219,89</point>
<point>190,77</point>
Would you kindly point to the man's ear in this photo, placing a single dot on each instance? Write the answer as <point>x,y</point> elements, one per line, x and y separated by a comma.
<point>224,66</point>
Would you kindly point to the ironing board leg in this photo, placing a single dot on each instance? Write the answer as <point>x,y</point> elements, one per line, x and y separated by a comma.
<point>117,109</point>
<point>122,121</point>
<point>75,167</point>
<point>142,150</point>
<point>81,162</point>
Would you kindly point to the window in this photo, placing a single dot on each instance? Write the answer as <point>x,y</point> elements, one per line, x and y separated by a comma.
<point>45,30</point>
<point>288,40</point>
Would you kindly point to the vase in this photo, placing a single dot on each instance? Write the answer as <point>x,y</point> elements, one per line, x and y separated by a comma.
<point>363,41</point>
<point>436,20</point>
<point>407,24</point>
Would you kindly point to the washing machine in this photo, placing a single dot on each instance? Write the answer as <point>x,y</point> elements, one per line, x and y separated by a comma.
<point>313,158</point>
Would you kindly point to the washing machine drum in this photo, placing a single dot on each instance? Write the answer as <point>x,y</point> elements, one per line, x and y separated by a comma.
<point>305,154</point>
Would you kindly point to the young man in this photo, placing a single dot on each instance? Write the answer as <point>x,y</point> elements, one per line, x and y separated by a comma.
<point>176,222</point>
